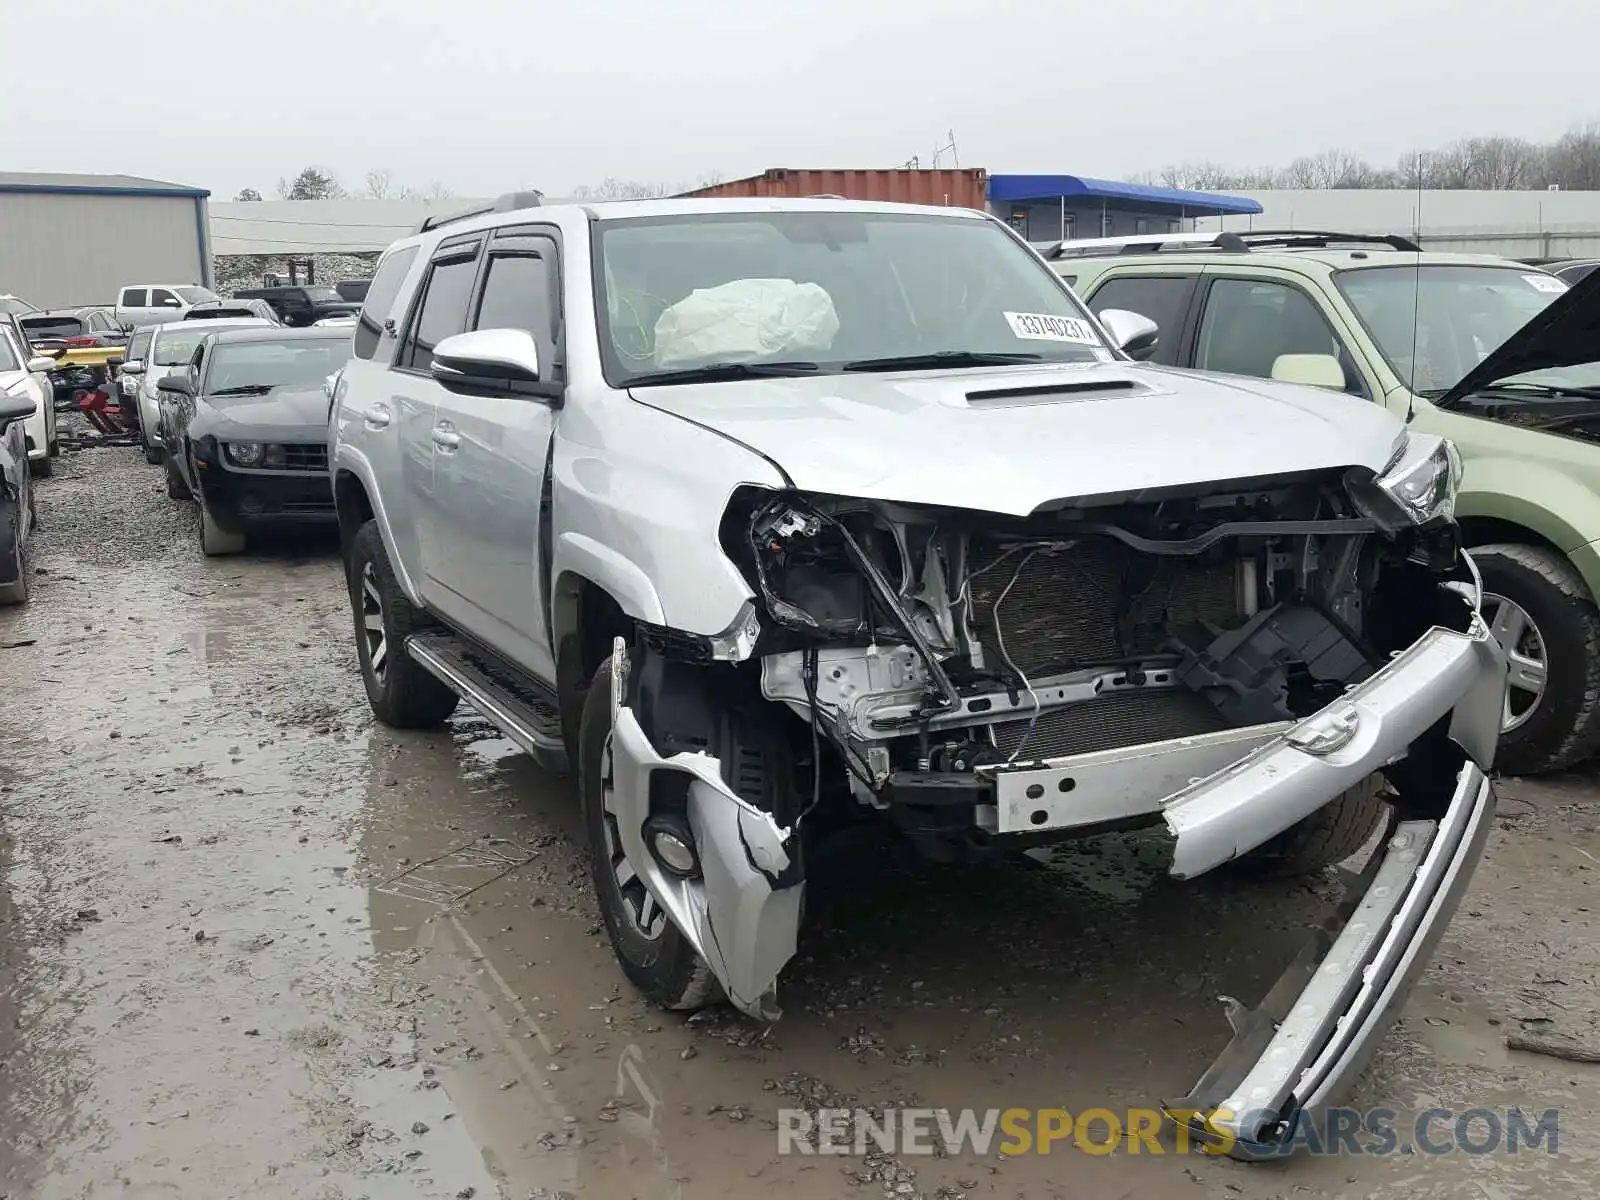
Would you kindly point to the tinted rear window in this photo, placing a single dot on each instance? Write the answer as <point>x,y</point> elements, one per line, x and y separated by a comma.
<point>53,327</point>
<point>382,294</point>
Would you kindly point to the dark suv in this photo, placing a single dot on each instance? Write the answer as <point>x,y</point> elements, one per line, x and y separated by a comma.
<point>303,305</point>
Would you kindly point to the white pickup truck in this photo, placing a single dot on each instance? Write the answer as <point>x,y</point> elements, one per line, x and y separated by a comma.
<point>779,517</point>
<point>140,304</point>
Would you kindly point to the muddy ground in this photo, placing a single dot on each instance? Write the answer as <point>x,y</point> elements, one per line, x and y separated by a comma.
<point>252,944</point>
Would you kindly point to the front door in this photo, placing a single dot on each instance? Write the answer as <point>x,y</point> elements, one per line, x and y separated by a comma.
<point>489,469</point>
<point>440,311</point>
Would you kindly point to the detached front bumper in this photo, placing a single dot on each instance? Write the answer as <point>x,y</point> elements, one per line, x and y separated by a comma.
<point>1224,794</point>
<point>1298,1053</point>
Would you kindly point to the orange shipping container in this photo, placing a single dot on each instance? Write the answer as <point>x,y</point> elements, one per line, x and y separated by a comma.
<point>966,187</point>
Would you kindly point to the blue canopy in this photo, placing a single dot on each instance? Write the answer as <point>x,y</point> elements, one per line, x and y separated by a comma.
<point>1040,188</point>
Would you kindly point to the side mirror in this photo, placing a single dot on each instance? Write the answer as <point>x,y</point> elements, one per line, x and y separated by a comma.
<point>1311,370</point>
<point>1135,335</point>
<point>493,362</point>
<point>177,385</point>
<point>41,362</point>
<point>136,367</point>
<point>14,409</point>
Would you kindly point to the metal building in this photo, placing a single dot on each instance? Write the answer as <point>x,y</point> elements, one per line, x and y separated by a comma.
<point>77,239</point>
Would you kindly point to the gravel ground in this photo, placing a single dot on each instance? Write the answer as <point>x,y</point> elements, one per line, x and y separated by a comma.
<point>253,945</point>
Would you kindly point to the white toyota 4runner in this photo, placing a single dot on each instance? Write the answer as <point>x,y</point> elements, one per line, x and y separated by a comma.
<point>776,516</point>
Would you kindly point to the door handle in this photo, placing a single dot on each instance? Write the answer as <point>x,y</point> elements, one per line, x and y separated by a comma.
<point>445,436</point>
<point>377,416</point>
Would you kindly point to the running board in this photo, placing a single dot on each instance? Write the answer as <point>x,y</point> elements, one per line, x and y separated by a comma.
<point>529,720</point>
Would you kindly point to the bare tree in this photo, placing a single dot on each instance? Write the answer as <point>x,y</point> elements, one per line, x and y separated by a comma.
<point>1573,161</point>
<point>621,189</point>
<point>379,185</point>
<point>248,194</point>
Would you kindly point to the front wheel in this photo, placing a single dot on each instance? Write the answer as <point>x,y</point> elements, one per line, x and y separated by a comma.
<point>214,540</point>
<point>654,955</point>
<point>1546,621</point>
<point>152,454</point>
<point>1324,839</point>
<point>42,468</point>
<point>402,693</point>
<point>11,525</point>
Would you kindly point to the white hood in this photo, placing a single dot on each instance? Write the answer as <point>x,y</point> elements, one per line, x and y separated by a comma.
<point>924,438</point>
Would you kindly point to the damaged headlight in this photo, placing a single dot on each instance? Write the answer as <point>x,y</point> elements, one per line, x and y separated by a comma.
<point>1418,487</point>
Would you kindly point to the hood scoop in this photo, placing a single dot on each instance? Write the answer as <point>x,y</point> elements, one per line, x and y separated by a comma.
<point>1054,393</point>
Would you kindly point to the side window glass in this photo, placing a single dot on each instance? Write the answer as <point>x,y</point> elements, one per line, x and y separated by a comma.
<point>1249,324</point>
<point>161,298</point>
<point>443,311</point>
<point>518,293</point>
<point>1161,298</point>
<point>385,290</point>
<point>135,297</point>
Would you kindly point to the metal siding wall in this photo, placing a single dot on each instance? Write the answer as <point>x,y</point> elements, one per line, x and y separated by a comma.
<point>1043,222</point>
<point>60,249</point>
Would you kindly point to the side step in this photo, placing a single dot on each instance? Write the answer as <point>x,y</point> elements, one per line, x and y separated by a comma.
<point>528,717</point>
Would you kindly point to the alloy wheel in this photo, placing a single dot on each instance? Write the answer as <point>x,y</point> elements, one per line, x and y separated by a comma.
<point>372,623</point>
<point>647,917</point>
<point>1524,645</point>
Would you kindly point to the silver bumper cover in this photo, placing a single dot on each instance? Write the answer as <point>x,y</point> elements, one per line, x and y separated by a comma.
<point>1303,1047</point>
<point>1223,794</point>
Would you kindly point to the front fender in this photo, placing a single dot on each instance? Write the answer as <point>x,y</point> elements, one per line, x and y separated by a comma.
<point>579,554</point>
<point>1559,508</point>
<point>350,461</point>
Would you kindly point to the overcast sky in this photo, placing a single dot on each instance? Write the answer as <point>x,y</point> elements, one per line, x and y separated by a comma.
<point>488,95</point>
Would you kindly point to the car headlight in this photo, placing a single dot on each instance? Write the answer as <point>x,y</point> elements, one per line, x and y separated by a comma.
<point>246,454</point>
<point>1417,488</point>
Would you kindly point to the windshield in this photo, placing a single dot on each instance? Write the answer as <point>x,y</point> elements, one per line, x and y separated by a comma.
<point>244,369</point>
<point>15,307</point>
<point>826,291</point>
<point>8,356</point>
<point>1435,324</point>
<point>139,345</point>
<point>196,295</point>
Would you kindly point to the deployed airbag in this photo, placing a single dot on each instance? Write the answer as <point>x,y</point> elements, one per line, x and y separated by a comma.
<point>746,319</point>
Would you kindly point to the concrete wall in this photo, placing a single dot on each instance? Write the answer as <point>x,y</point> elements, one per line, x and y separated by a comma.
<point>58,250</point>
<point>1042,222</point>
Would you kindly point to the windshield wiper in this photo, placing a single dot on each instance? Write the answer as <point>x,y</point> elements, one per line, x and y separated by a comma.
<point>717,372</point>
<point>1543,389</point>
<point>248,389</point>
<point>940,358</point>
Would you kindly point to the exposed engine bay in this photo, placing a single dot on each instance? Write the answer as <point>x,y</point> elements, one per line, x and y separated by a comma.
<point>1576,416</point>
<point>935,648</point>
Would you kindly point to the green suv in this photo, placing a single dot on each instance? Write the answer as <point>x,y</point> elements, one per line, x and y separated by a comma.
<point>1501,358</point>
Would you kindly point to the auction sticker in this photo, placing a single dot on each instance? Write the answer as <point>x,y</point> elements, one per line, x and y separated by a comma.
<point>1042,327</point>
<point>1539,283</point>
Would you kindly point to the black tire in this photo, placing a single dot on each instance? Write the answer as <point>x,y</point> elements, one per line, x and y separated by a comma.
<point>11,519</point>
<point>1563,726</point>
<point>402,693</point>
<point>665,967</point>
<point>177,489</point>
<point>215,541</point>
<point>1327,837</point>
<point>42,468</point>
<point>152,454</point>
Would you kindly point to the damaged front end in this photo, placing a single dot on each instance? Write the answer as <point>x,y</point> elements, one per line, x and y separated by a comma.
<point>1223,662</point>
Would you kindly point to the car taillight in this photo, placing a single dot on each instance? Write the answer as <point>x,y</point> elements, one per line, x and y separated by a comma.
<point>80,341</point>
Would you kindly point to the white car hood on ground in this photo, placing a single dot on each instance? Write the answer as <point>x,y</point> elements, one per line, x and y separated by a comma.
<point>924,438</point>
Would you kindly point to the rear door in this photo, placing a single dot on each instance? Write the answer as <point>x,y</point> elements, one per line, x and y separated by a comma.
<point>439,310</point>
<point>1163,294</point>
<point>489,468</point>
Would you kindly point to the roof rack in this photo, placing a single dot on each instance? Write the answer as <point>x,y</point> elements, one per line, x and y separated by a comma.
<point>1228,240</point>
<point>510,202</point>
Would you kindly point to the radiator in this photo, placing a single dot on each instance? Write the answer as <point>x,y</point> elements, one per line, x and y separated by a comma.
<point>1096,601</point>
